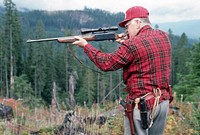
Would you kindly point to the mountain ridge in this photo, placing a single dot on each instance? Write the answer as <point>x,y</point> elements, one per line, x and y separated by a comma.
<point>189,27</point>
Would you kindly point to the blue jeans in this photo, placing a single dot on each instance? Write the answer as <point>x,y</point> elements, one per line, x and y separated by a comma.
<point>158,122</point>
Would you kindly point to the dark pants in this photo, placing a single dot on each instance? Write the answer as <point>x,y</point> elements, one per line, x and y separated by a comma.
<point>158,123</point>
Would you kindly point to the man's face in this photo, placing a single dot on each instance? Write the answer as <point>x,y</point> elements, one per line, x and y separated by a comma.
<point>133,27</point>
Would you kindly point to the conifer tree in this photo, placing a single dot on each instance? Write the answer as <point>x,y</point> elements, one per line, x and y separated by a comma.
<point>2,84</point>
<point>180,57</point>
<point>13,45</point>
<point>189,84</point>
<point>39,61</point>
<point>87,88</point>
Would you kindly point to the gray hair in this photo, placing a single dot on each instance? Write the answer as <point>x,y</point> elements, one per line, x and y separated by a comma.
<point>145,20</point>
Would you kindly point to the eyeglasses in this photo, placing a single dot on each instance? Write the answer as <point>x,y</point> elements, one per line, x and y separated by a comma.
<point>129,22</point>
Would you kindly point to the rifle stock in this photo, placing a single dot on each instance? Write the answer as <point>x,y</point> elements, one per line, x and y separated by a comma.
<point>72,39</point>
<point>100,34</point>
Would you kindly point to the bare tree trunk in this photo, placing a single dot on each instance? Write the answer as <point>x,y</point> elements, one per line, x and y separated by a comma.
<point>67,84</point>
<point>98,87</point>
<point>103,88</point>
<point>6,74</point>
<point>71,91</point>
<point>88,90</point>
<point>111,85</point>
<point>11,65</point>
<point>1,83</point>
<point>54,100</point>
<point>35,87</point>
<point>120,79</point>
<point>1,74</point>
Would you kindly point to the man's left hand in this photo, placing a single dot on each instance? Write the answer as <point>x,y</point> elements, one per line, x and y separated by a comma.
<point>81,42</point>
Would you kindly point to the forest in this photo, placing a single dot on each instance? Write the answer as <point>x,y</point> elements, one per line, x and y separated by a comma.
<point>44,73</point>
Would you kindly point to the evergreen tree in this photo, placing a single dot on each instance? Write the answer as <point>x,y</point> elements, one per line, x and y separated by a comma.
<point>39,61</point>
<point>18,45</point>
<point>189,84</point>
<point>2,83</point>
<point>23,89</point>
<point>195,73</point>
<point>87,89</point>
<point>181,54</point>
<point>156,26</point>
<point>50,73</point>
<point>13,45</point>
<point>173,75</point>
<point>29,65</point>
<point>60,70</point>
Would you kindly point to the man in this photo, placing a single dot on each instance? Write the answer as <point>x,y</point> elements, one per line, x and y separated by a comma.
<point>145,56</point>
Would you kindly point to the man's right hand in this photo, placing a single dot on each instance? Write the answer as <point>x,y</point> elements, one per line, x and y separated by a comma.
<point>121,38</point>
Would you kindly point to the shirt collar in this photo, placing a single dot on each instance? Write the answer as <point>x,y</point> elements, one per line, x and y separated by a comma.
<point>144,28</point>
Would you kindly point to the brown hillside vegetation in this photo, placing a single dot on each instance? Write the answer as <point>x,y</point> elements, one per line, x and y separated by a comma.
<point>104,120</point>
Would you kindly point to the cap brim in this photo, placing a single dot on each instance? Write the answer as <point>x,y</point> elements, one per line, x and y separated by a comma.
<point>123,23</point>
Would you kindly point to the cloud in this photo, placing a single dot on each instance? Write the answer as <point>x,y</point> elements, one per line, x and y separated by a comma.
<point>160,11</point>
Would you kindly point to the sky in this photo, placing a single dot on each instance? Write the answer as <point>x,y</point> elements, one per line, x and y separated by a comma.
<point>160,10</point>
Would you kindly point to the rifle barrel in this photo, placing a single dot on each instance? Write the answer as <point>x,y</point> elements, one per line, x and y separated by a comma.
<point>41,40</point>
<point>68,39</point>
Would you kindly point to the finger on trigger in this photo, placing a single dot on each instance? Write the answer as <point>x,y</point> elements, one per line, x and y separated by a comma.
<point>122,41</point>
<point>75,42</point>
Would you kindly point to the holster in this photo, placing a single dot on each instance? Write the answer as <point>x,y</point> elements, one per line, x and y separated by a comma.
<point>129,113</point>
<point>143,113</point>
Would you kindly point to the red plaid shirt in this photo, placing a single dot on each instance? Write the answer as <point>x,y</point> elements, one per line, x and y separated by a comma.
<point>145,59</point>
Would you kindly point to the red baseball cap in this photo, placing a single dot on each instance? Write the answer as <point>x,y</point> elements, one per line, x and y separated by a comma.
<point>134,12</point>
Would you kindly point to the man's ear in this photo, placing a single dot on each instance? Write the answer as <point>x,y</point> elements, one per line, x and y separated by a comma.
<point>139,24</point>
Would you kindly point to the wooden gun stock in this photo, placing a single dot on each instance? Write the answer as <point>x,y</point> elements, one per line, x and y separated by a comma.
<point>71,39</point>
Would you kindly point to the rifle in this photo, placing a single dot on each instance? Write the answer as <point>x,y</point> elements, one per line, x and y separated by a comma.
<point>98,34</point>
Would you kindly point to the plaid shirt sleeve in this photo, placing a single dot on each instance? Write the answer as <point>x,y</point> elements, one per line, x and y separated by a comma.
<point>109,61</point>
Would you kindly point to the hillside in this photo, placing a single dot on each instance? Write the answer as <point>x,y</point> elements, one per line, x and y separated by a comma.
<point>87,122</point>
<point>56,21</point>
